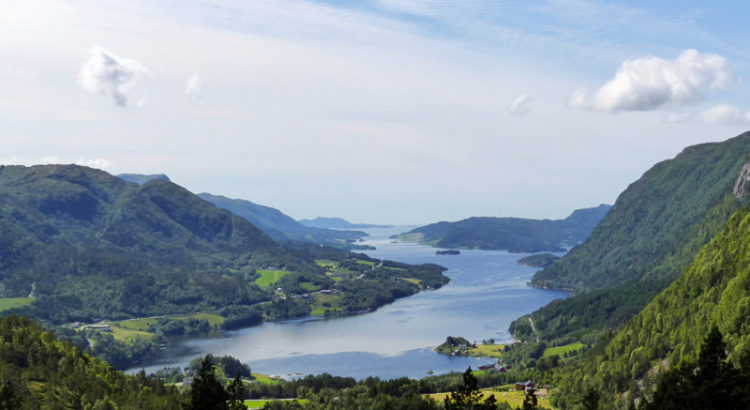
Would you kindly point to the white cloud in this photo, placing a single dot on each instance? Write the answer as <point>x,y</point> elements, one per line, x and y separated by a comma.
<point>99,163</point>
<point>520,105</point>
<point>194,86</point>
<point>719,114</point>
<point>648,83</point>
<point>110,75</point>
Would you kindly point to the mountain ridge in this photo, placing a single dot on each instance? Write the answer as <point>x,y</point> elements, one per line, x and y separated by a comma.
<point>280,226</point>
<point>65,223</point>
<point>510,234</point>
<point>655,228</point>
<point>714,291</point>
<point>337,223</point>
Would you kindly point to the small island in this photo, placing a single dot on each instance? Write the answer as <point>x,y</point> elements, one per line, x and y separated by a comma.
<point>458,346</point>
<point>539,260</point>
<point>448,252</point>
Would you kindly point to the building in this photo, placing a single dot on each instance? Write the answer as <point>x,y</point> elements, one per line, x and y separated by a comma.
<point>527,385</point>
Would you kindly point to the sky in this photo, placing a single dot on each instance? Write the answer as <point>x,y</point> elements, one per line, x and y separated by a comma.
<point>379,111</point>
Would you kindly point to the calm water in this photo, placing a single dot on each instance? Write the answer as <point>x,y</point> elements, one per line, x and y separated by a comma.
<point>487,291</point>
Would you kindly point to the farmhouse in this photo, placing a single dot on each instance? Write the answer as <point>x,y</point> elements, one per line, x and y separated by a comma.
<point>525,385</point>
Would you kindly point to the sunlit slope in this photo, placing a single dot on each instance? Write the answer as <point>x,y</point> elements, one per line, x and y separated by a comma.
<point>713,291</point>
<point>652,232</point>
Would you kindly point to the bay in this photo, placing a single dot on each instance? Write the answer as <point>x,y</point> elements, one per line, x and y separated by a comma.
<point>487,292</point>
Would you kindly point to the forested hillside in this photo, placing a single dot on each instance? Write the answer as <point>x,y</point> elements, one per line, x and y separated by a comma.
<point>39,372</point>
<point>511,234</point>
<point>652,232</point>
<point>714,291</point>
<point>87,244</point>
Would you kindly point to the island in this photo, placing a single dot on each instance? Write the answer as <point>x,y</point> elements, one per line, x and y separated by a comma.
<point>448,252</point>
<point>459,346</point>
<point>539,260</point>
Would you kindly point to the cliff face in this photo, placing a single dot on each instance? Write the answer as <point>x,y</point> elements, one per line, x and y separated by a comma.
<point>742,184</point>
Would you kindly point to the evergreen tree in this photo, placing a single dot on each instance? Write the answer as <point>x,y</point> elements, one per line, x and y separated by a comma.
<point>206,392</point>
<point>468,396</point>
<point>530,401</point>
<point>236,391</point>
<point>713,384</point>
<point>591,399</point>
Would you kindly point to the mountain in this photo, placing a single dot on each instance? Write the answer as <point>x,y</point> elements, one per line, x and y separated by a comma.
<point>141,179</point>
<point>713,291</point>
<point>280,226</point>
<point>79,244</point>
<point>653,231</point>
<point>88,244</point>
<point>511,234</point>
<point>337,223</point>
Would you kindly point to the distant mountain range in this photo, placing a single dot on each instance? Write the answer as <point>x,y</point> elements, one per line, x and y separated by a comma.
<point>510,234</point>
<point>273,222</point>
<point>282,227</point>
<point>337,223</point>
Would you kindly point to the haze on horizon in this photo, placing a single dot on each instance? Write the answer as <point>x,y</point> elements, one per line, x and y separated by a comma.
<point>379,111</point>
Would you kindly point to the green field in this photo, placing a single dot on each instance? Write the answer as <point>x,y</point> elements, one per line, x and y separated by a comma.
<point>269,277</point>
<point>11,303</point>
<point>258,404</point>
<point>143,324</point>
<point>255,404</point>
<point>213,319</point>
<point>328,264</point>
<point>503,394</point>
<point>136,324</point>
<point>321,299</point>
<point>412,280</point>
<point>483,350</point>
<point>561,350</point>
<point>308,286</point>
<point>129,335</point>
<point>263,379</point>
<point>488,350</point>
<point>368,263</point>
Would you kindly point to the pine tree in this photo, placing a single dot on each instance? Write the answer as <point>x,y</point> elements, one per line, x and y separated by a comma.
<point>591,399</point>
<point>530,401</point>
<point>206,392</point>
<point>468,396</point>
<point>236,392</point>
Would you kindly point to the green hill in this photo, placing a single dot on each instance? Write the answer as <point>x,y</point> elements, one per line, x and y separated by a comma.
<point>282,227</point>
<point>653,231</point>
<point>39,372</point>
<point>511,234</point>
<point>87,244</point>
<point>714,291</point>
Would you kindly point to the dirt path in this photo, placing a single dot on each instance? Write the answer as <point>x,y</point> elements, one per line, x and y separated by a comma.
<point>533,328</point>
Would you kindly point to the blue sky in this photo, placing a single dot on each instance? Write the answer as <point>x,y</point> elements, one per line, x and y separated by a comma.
<point>387,111</point>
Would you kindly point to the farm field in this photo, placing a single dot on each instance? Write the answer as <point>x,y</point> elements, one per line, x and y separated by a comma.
<point>12,303</point>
